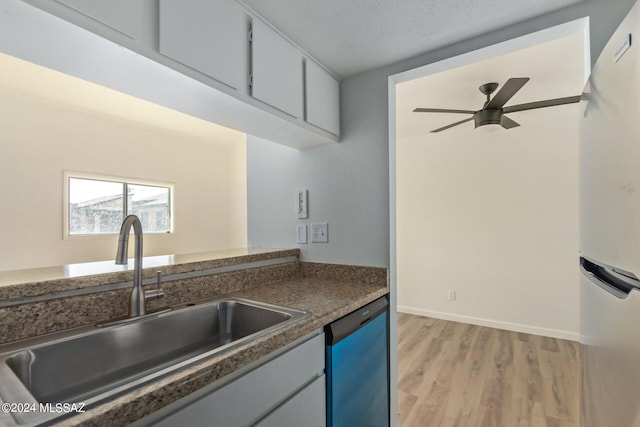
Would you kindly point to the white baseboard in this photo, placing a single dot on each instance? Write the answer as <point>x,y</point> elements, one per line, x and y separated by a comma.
<point>516,327</point>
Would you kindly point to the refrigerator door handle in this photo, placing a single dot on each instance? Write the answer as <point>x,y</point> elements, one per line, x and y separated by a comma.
<point>610,279</point>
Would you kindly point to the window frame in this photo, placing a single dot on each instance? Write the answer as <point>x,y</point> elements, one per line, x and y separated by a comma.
<point>67,175</point>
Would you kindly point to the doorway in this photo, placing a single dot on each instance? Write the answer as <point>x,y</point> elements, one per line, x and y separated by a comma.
<point>484,226</point>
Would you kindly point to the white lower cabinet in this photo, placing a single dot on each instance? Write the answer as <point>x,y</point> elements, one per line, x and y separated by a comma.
<point>303,409</point>
<point>288,390</point>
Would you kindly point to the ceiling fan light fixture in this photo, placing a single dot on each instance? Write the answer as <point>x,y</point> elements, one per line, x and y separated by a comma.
<point>488,129</point>
<point>488,117</point>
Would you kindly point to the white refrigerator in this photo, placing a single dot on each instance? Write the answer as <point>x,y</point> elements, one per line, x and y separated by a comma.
<point>610,233</point>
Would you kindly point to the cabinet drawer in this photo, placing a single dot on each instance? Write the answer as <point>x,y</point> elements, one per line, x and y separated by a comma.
<point>307,408</point>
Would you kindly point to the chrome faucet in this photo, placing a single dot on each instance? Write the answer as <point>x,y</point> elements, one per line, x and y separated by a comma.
<point>137,301</point>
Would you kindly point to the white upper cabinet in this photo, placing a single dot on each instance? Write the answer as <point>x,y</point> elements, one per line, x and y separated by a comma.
<point>123,16</point>
<point>292,99</point>
<point>277,70</point>
<point>322,98</point>
<point>206,35</point>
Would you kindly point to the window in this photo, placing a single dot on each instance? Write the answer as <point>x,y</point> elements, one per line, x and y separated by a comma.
<point>98,206</point>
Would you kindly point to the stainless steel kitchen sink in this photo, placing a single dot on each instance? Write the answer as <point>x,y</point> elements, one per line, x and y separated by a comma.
<point>99,363</point>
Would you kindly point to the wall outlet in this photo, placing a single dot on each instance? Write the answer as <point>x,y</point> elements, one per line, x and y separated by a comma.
<point>320,233</point>
<point>452,295</point>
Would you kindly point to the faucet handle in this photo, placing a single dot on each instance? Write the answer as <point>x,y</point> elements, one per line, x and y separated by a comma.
<point>158,292</point>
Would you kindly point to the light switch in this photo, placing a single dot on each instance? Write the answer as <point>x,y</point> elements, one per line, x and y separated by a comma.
<point>301,230</point>
<point>319,233</point>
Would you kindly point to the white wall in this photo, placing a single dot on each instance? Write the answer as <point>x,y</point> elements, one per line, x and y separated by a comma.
<point>40,140</point>
<point>496,220</point>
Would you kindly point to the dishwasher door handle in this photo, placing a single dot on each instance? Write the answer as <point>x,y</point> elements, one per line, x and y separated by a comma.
<point>350,323</point>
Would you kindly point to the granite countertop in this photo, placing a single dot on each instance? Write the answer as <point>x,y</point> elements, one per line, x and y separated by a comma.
<point>327,299</point>
<point>21,284</point>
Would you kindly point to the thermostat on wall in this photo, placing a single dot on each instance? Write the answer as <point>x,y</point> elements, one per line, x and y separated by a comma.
<point>301,204</point>
<point>319,233</point>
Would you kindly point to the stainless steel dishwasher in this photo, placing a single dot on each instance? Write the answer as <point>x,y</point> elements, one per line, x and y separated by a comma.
<point>357,356</point>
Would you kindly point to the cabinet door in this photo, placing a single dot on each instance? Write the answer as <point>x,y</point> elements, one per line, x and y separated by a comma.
<point>323,98</point>
<point>248,399</point>
<point>276,69</point>
<point>124,16</point>
<point>206,35</point>
<point>306,408</point>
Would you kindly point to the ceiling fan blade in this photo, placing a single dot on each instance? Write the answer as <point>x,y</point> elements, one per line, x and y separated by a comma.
<point>452,125</point>
<point>509,89</point>
<point>507,123</point>
<point>542,104</point>
<point>441,110</point>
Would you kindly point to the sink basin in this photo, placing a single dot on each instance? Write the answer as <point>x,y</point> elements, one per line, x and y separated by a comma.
<point>94,365</point>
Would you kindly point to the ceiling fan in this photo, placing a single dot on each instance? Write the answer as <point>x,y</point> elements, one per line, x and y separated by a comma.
<point>493,111</point>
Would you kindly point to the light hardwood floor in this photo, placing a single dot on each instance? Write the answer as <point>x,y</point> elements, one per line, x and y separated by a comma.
<point>455,374</point>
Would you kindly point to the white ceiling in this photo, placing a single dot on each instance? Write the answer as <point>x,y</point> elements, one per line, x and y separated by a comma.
<point>556,69</point>
<point>353,36</point>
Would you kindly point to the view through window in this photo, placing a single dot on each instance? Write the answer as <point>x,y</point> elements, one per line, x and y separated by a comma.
<point>99,206</point>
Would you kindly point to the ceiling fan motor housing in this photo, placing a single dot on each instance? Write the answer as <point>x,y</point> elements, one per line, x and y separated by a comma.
<point>488,117</point>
